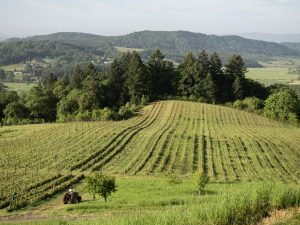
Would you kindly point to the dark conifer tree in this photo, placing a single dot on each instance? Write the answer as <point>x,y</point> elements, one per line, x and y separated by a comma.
<point>161,75</point>
<point>238,88</point>
<point>116,82</point>
<point>188,69</point>
<point>77,77</point>
<point>137,81</point>
<point>202,64</point>
<point>124,64</point>
<point>235,68</point>
<point>210,89</point>
<point>218,77</point>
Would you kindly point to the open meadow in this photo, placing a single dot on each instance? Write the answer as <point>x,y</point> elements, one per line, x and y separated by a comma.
<point>248,157</point>
<point>19,87</point>
<point>272,75</point>
<point>278,71</point>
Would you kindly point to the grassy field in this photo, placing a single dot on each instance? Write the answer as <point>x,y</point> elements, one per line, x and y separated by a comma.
<point>39,161</point>
<point>14,67</point>
<point>19,87</point>
<point>272,75</point>
<point>124,49</point>
<point>276,71</point>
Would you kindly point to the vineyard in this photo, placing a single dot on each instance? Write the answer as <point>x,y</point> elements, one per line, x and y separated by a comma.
<point>38,161</point>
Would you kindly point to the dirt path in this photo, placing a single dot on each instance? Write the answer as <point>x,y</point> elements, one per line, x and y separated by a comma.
<point>280,216</point>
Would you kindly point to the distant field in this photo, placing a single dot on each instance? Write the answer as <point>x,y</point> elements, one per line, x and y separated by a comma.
<point>19,87</point>
<point>271,75</point>
<point>124,49</point>
<point>14,67</point>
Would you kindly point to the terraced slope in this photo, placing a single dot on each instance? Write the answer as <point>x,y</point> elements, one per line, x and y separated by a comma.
<point>37,161</point>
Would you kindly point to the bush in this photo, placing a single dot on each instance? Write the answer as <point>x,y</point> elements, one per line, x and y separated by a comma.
<point>104,114</point>
<point>202,180</point>
<point>84,116</point>
<point>238,104</point>
<point>174,179</point>
<point>280,105</point>
<point>144,100</point>
<point>251,104</point>
<point>127,110</point>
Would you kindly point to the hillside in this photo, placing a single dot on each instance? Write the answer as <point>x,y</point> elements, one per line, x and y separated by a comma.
<point>292,45</point>
<point>279,38</point>
<point>20,51</point>
<point>175,44</point>
<point>168,136</point>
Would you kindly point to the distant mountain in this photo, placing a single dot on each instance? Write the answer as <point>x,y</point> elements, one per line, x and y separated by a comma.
<point>174,44</point>
<point>4,37</point>
<point>272,37</point>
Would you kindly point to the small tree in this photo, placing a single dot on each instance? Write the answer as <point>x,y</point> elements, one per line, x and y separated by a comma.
<point>202,180</point>
<point>100,184</point>
<point>91,186</point>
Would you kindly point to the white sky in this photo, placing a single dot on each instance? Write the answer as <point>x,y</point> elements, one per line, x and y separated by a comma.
<point>115,17</point>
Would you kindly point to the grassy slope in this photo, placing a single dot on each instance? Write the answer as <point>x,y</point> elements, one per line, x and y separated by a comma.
<point>171,136</point>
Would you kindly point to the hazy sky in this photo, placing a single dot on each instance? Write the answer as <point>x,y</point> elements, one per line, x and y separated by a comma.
<point>113,17</point>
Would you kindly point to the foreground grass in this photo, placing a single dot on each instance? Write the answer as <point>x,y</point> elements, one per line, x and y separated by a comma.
<point>152,200</point>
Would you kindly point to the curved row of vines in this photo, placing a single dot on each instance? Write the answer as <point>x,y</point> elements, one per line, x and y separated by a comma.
<point>37,161</point>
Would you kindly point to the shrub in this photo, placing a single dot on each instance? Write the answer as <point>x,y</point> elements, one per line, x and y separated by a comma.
<point>144,100</point>
<point>202,180</point>
<point>238,104</point>
<point>174,179</point>
<point>281,104</point>
<point>253,104</point>
<point>84,116</point>
<point>104,114</point>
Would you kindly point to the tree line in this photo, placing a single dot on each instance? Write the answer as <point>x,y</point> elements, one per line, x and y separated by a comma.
<point>90,94</point>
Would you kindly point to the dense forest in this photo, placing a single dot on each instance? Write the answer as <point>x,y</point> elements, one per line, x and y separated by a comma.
<point>292,45</point>
<point>15,52</point>
<point>90,94</point>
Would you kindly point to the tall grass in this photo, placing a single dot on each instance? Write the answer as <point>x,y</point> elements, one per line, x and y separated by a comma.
<point>248,203</point>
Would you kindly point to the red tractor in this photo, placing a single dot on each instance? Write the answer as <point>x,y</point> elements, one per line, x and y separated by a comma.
<point>71,197</point>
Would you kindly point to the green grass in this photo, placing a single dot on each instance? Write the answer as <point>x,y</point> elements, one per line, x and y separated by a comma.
<point>272,75</point>
<point>14,67</point>
<point>19,87</point>
<point>152,200</point>
<point>124,49</point>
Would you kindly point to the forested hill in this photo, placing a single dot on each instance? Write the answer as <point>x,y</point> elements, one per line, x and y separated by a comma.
<point>292,45</point>
<point>18,51</point>
<point>175,44</point>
